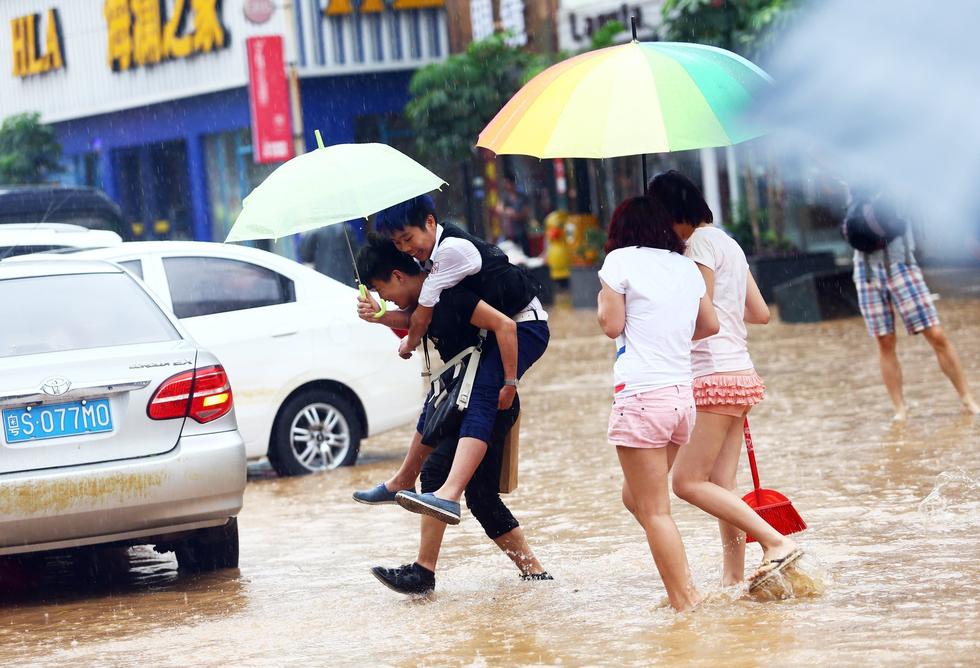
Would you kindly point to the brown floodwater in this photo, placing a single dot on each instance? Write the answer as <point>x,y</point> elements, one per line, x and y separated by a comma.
<point>893,509</point>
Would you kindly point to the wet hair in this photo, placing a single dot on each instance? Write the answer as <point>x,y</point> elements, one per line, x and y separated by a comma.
<point>682,199</point>
<point>412,212</point>
<point>379,257</point>
<point>642,221</point>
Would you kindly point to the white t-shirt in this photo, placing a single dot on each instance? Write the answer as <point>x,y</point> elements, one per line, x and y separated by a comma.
<point>451,261</point>
<point>663,291</point>
<point>727,350</point>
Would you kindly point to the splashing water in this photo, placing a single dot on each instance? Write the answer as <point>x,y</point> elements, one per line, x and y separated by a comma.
<point>954,490</point>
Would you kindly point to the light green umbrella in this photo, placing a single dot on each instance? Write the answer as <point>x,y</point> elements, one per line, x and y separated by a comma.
<point>331,185</point>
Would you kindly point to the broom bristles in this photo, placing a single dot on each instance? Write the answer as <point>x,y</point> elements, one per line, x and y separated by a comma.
<point>782,517</point>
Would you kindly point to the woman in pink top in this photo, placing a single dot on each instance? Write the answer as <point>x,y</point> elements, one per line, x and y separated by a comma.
<point>726,385</point>
<point>652,303</point>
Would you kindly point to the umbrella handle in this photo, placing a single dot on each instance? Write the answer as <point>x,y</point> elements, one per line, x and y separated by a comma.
<point>384,304</point>
<point>751,452</point>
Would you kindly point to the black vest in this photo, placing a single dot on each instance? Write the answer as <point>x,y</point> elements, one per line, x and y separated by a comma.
<point>502,285</point>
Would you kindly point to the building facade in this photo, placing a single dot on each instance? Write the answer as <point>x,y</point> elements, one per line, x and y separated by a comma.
<point>150,99</point>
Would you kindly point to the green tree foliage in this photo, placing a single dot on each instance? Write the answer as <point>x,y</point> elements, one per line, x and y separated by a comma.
<point>746,27</point>
<point>452,101</point>
<point>29,150</point>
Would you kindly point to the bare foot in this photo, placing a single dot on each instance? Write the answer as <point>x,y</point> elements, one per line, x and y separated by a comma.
<point>970,406</point>
<point>901,414</point>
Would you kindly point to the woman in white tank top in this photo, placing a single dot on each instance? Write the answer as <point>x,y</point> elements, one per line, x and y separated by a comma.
<point>726,385</point>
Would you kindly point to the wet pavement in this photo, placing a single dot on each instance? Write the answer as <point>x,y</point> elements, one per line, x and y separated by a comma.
<point>894,514</point>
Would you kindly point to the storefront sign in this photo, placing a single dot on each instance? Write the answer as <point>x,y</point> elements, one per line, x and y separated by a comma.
<point>272,130</point>
<point>28,59</point>
<point>579,20</point>
<point>141,34</point>
<point>344,7</point>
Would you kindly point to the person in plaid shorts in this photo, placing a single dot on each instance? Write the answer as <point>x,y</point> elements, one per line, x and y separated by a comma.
<point>888,280</point>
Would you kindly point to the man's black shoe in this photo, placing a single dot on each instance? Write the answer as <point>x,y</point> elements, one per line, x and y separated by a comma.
<point>408,579</point>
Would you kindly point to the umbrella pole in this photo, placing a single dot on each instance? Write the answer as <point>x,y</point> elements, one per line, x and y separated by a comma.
<point>360,286</point>
<point>353,260</point>
<point>643,157</point>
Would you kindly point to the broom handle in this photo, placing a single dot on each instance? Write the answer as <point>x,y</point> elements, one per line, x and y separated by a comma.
<point>751,451</point>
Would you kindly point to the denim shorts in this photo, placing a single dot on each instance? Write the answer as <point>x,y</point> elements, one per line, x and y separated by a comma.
<point>480,415</point>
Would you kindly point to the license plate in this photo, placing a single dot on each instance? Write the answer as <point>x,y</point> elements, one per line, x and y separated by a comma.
<point>57,420</point>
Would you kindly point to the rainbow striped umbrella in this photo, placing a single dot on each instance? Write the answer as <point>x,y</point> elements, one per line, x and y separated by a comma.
<point>641,97</point>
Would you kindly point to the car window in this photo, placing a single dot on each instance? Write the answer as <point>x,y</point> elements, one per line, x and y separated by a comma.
<point>27,249</point>
<point>135,267</point>
<point>78,311</point>
<point>208,285</point>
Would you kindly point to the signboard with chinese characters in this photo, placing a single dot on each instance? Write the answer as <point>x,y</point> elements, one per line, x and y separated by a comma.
<point>578,20</point>
<point>140,33</point>
<point>268,96</point>
<point>30,54</point>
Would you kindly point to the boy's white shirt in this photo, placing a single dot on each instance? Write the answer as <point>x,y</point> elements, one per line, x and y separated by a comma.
<point>451,261</point>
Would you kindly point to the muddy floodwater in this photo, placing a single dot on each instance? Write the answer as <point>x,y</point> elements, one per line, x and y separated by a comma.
<point>893,509</point>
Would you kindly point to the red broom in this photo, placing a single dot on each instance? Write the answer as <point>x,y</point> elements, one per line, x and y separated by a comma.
<point>771,506</point>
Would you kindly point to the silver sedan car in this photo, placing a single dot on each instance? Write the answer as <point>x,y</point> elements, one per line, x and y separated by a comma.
<point>117,427</point>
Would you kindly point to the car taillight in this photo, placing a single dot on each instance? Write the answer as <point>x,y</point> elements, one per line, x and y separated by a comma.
<point>202,394</point>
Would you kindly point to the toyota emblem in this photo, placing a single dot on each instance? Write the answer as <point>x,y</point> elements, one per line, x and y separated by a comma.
<point>55,385</point>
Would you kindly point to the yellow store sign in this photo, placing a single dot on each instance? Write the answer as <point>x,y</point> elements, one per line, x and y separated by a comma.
<point>140,33</point>
<point>28,58</point>
<point>344,7</point>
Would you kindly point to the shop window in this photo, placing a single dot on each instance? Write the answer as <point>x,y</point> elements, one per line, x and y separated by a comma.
<point>377,37</point>
<point>415,34</point>
<point>208,285</point>
<point>435,34</point>
<point>357,24</point>
<point>395,32</point>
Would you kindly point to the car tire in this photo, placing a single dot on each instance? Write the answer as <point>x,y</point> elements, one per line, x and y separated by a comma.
<point>209,549</point>
<point>316,430</point>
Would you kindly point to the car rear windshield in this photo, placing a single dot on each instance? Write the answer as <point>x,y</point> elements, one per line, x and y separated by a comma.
<point>44,314</point>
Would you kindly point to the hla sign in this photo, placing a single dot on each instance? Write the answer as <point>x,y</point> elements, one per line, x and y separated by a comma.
<point>141,34</point>
<point>28,60</point>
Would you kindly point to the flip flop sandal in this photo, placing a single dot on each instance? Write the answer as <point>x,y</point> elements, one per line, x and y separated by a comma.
<point>771,569</point>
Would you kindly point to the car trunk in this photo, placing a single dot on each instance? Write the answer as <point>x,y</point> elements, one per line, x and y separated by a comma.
<point>103,392</point>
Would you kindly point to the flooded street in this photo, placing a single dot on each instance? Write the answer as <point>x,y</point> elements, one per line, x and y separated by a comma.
<point>893,509</point>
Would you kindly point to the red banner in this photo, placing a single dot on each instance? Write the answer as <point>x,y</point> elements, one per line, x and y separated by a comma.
<point>268,94</point>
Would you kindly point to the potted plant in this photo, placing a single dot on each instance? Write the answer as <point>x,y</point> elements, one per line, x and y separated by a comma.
<point>589,241</point>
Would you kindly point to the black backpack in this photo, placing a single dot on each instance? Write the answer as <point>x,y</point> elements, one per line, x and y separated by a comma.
<point>871,223</point>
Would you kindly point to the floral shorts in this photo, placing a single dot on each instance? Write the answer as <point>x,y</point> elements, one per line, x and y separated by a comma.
<point>731,394</point>
<point>653,419</point>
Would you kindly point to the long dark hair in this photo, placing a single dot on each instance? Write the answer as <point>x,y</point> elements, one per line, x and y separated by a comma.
<point>682,199</point>
<point>642,221</point>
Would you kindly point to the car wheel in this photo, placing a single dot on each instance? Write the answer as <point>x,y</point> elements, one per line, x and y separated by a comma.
<point>316,430</point>
<point>209,549</point>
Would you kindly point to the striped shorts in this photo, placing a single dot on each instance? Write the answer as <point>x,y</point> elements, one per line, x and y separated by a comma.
<point>881,292</point>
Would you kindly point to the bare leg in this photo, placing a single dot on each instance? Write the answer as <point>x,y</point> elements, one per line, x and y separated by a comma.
<point>949,362</point>
<point>732,538</point>
<point>432,531</point>
<point>408,472</point>
<point>692,482</point>
<point>515,546</point>
<point>891,373</point>
<point>469,454</point>
<point>645,471</point>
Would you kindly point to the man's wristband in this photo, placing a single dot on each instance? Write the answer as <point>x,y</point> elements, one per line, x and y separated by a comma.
<point>512,382</point>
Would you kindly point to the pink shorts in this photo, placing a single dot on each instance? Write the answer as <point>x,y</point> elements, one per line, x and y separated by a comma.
<point>653,419</point>
<point>731,394</point>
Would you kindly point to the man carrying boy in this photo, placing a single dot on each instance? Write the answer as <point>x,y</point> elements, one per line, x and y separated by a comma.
<point>453,257</point>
